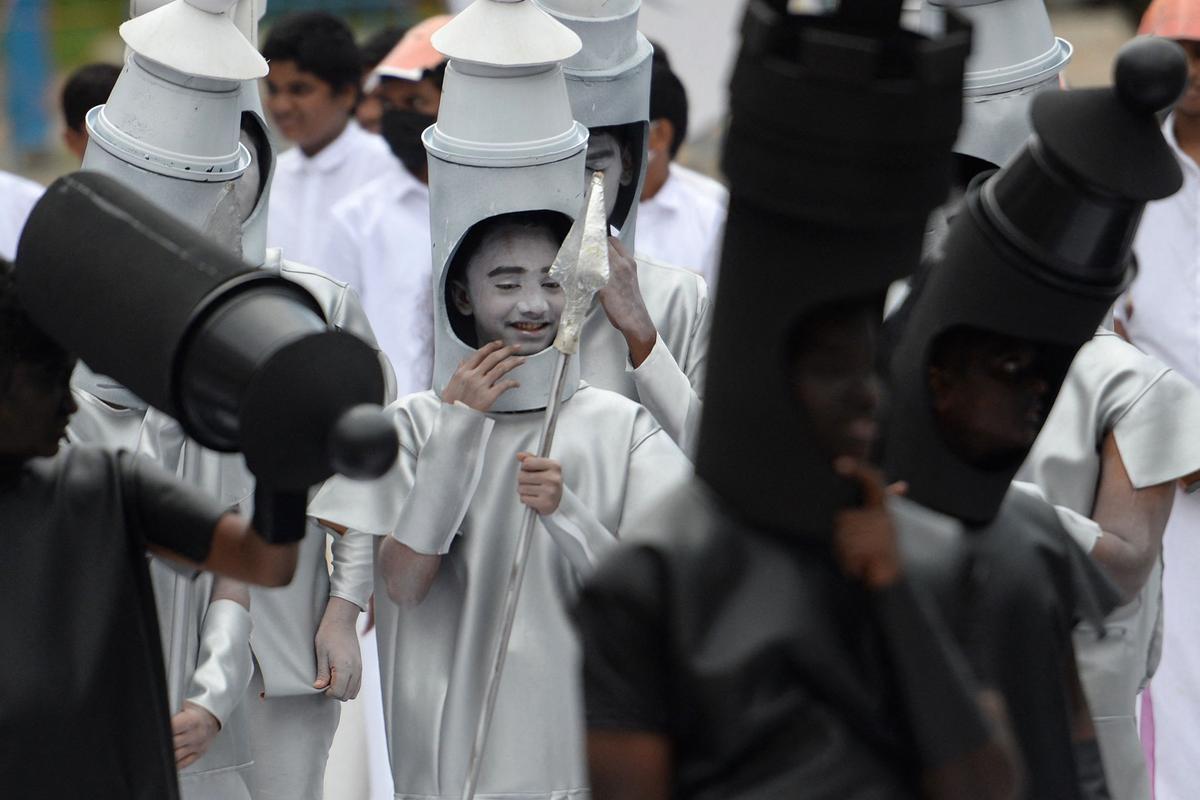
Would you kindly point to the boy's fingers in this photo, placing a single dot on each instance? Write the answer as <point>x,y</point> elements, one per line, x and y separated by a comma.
<point>869,479</point>
<point>503,367</point>
<point>493,357</point>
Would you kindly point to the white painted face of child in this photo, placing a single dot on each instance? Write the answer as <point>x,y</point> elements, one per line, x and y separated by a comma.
<point>508,292</point>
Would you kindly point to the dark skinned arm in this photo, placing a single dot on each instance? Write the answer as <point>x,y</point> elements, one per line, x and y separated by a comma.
<point>629,765</point>
<point>407,573</point>
<point>239,552</point>
<point>1132,521</point>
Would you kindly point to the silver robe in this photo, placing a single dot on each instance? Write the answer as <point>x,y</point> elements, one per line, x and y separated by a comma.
<point>1154,415</point>
<point>207,664</point>
<point>670,382</point>
<point>285,619</point>
<point>453,491</point>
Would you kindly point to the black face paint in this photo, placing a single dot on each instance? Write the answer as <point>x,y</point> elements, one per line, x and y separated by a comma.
<point>402,130</point>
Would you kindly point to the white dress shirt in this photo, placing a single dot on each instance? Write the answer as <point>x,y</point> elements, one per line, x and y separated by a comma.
<point>304,190</point>
<point>684,223</point>
<point>377,240</point>
<point>1166,323</point>
<point>18,198</point>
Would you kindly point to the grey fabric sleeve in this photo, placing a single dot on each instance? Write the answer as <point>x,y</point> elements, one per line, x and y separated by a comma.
<point>580,536</point>
<point>423,498</point>
<point>670,396</point>
<point>224,665</point>
<point>1159,435</point>
<point>353,574</point>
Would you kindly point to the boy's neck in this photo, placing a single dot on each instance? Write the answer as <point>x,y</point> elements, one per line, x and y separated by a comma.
<point>311,150</point>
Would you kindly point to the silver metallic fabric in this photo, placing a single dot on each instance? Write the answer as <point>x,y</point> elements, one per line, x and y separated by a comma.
<point>223,651</point>
<point>670,382</point>
<point>618,464</point>
<point>223,666</point>
<point>1154,414</point>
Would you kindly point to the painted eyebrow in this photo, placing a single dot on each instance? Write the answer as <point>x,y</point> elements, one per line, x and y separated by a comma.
<point>513,271</point>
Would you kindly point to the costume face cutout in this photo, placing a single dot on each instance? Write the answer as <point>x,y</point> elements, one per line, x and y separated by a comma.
<point>834,378</point>
<point>605,153</point>
<point>507,291</point>
<point>990,394</point>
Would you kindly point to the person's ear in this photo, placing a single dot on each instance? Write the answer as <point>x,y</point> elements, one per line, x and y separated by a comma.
<point>461,298</point>
<point>76,141</point>
<point>662,134</point>
<point>347,97</point>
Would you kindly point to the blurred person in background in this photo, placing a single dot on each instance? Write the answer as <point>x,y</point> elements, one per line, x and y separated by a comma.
<point>373,49</point>
<point>377,238</point>
<point>1159,316</point>
<point>87,87</point>
<point>682,214</point>
<point>17,197</point>
<point>312,90</point>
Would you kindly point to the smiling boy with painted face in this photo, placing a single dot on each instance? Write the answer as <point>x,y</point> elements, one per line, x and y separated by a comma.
<point>450,512</point>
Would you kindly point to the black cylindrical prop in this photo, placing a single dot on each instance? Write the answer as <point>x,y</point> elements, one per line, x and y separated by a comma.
<point>1040,252</point>
<point>838,149</point>
<point>242,357</point>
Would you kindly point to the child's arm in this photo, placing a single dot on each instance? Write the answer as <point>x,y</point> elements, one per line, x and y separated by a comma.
<point>420,504</point>
<point>224,668</point>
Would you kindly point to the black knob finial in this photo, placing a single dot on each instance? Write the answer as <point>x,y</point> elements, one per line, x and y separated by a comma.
<point>363,443</point>
<point>1151,73</point>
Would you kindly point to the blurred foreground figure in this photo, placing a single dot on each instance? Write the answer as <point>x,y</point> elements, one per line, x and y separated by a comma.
<point>757,635</point>
<point>1030,265</point>
<point>184,127</point>
<point>83,703</point>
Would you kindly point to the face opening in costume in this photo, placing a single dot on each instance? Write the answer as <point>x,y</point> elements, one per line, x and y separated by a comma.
<point>832,361</point>
<point>990,394</point>
<point>499,282</point>
<point>609,152</point>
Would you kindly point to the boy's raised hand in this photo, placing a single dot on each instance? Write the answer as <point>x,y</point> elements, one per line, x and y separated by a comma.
<point>864,538</point>
<point>539,483</point>
<point>479,379</point>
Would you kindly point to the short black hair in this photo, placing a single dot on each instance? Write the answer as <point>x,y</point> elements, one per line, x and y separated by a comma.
<point>376,46</point>
<point>668,100</point>
<point>21,341</point>
<point>318,42</point>
<point>87,87</point>
<point>554,223</point>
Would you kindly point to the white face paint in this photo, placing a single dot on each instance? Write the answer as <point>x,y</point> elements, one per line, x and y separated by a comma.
<point>604,153</point>
<point>508,293</point>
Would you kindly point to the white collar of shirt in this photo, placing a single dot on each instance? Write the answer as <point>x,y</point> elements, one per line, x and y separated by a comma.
<point>332,155</point>
<point>1190,168</point>
<point>670,197</point>
<point>404,183</point>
